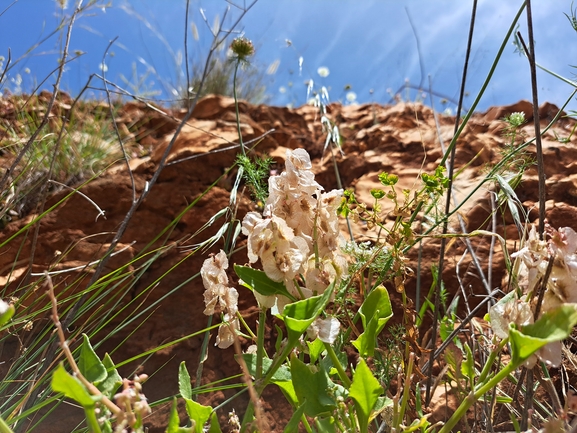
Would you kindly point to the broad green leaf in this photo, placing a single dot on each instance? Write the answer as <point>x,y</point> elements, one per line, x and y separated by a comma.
<point>113,380</point>
<point>523,346</point>
<point>198,413</point>
<point>312,388</point>
<point>174,421</point>
<point>365,343</point>
<point>381,404</point>
<point>377,301</point>
<point>293,424</point>
<point>255,279</point>
<point>282,374</point>
<point>89,363</point>
<point>282,377</point>
<point>299,315</point>
<point>184,386</point>
<point>326,425</point>
<point>214,426</point>
<point>71,387</point>
<point>365,391</point>
<point>375,313</point>
<point>288,391</point>
<point>554,325</point>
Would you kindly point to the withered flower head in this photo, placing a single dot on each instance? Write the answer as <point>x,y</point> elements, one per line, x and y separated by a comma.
<point>242,48</point>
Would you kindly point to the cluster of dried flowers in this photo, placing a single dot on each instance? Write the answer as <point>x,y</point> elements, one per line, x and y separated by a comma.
<point>561,286</point>
<point>297,241</point>
<point>220,298</point>
<point>297,237</point>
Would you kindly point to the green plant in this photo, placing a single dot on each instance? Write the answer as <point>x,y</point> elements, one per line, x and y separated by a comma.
<point>311,281</point>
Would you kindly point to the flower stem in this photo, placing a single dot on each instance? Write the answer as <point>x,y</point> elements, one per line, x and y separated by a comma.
<point>236,109</point>
<point>260,342</point>
<point>337,364</point>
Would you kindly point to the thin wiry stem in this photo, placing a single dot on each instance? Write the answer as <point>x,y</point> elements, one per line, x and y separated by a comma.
<point>448,201</point>
<point>536,123</point>
<point>187,84</point>
<point>116,131</point>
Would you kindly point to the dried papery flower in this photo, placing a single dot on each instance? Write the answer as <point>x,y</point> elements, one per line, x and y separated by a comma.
<point>534,257</point>
<point>282,254</point>
<point>515,311</point>
<point>298,218</point>
<point>296,183</point>
<point>318,276</point>
<point>218,297</point>
<point>329,238</point>
<point>551,354</point>
<point>325,330</point>
<point>227,331</point>
<point>562,284</point>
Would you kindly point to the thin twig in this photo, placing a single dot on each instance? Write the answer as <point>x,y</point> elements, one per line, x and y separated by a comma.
<point>8,61</point>
<point>536,122</point>
<point>100,211</point>
<point>186,52</point>
<point>113,118</point>
<point>116,411</point>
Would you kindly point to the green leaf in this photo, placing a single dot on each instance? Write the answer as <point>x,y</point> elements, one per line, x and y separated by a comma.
<point>299,315</point>
<point>214,426</point>
<point>6,312</point>
<point>365,391</point>
<point>71,387</point>
<point>375,313</point>
<point>293,424</point>
<point>184,385</point>
<point>326,425</point>
<point>554,325</point>
<point>198,413</point>
<point>468,365</point>
<point>174,421</point>
<point>377,304</point>
<point>288,391</point>
<point>311,388</point>
<point>113,380</point>
<point>255,279</point>
<point>89,363</point>
<point>281,375</point>
<point>316,347</point>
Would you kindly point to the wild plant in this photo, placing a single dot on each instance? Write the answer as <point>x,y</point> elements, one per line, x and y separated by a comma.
<point>303,272</point>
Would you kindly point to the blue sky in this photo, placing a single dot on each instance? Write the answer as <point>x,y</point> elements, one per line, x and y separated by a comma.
<point>366,44</point>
